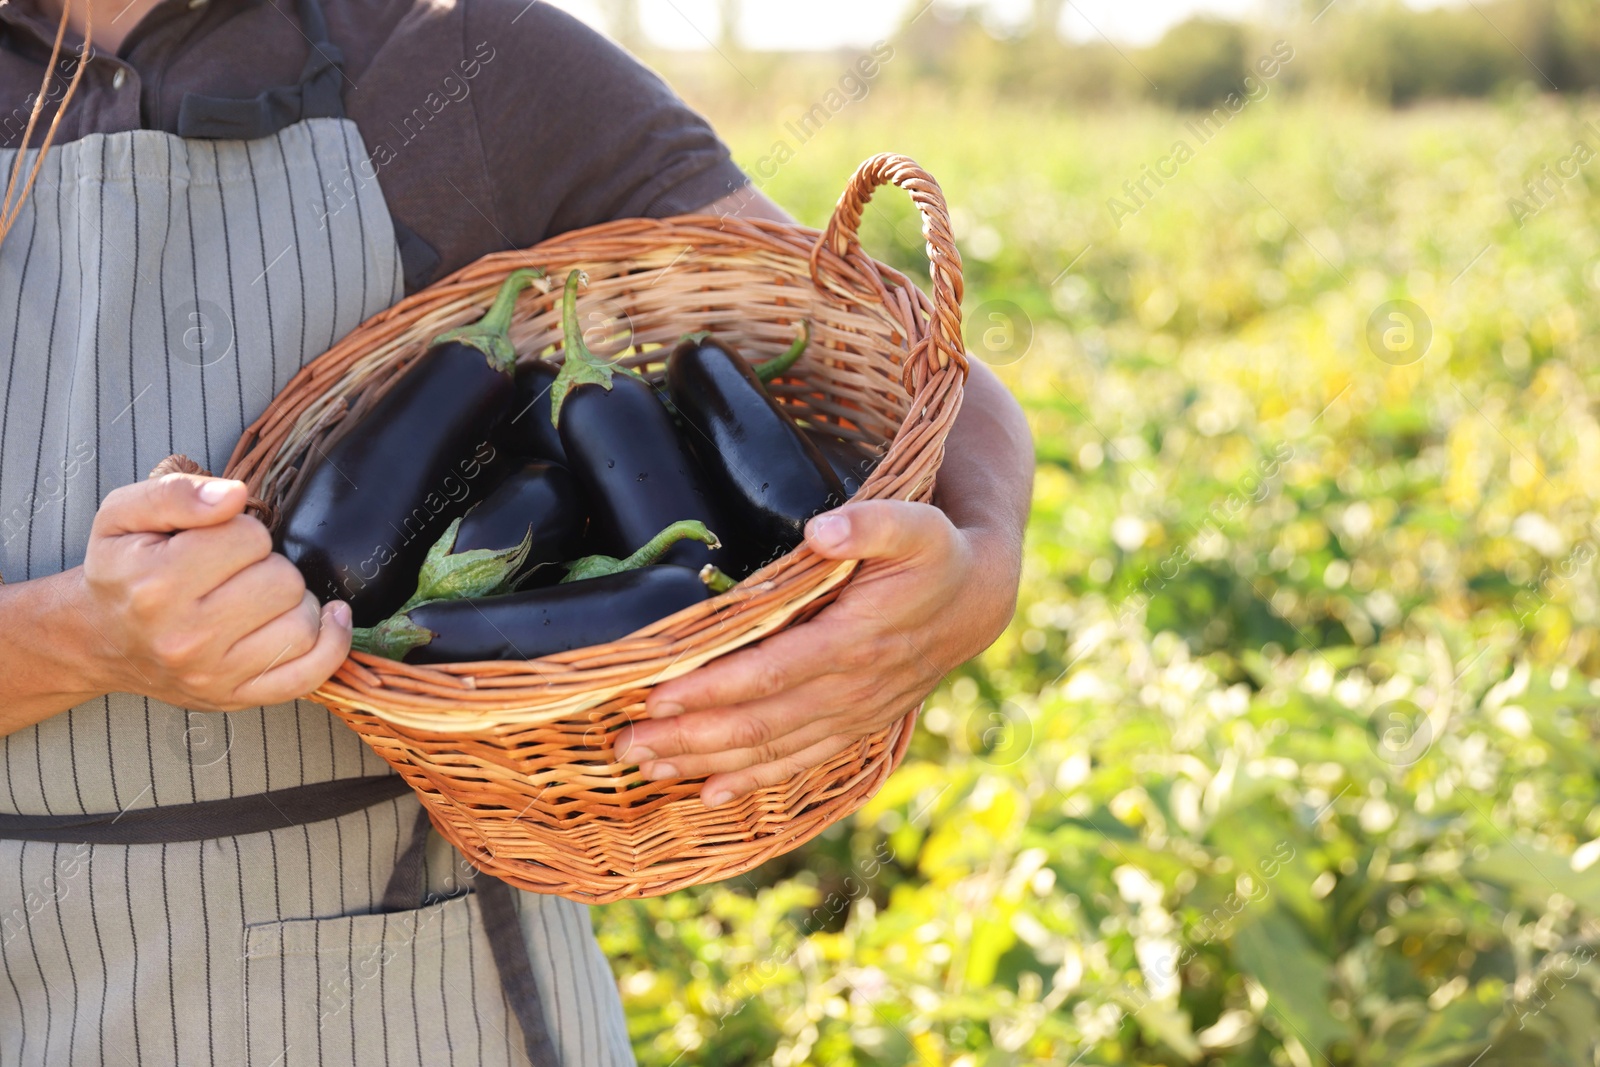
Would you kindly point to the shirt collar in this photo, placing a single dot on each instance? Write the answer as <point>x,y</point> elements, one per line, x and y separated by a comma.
<point>29,23</point>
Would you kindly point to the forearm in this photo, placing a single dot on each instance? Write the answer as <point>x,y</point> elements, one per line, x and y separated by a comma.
<point>44,651</point>
<point>986,481</point>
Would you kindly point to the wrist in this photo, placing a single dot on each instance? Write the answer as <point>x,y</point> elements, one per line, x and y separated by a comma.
<point>86,661</point>
<point>49,656</point>
<point>994,574</point>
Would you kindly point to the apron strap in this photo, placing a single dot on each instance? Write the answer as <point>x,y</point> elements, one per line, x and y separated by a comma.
<point>500,924</point>
<point>418,260</point>
<point>234,816</point>
<point>317,95</point>
<point>405,887</point>
<point>515,967</point>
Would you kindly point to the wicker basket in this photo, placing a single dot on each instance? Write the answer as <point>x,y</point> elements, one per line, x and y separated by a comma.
<point>514,760</point>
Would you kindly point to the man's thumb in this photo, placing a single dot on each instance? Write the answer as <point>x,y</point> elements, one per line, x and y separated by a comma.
<point>170,503</point>
<point>877,529</point>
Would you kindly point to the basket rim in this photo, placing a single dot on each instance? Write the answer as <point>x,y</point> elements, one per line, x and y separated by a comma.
<point>408,695</point>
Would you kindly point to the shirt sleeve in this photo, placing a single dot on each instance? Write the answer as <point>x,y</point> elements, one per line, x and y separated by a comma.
<point>575,131</point>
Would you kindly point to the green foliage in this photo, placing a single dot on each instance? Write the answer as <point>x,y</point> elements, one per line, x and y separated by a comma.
<point>1198,62</point>
<point>1398,55</point>
<point>1289,757</point>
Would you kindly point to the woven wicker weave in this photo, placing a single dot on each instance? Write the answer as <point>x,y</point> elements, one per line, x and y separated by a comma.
<point>514,760</point>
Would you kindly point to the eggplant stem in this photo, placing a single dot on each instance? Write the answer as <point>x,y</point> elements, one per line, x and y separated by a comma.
<point>491,334</point>
<point>648,553</point>
<point>392,638</point>
<point>579,366</point>
<point>718,581</point>
<point>450,575</point>
<point>778,365</point>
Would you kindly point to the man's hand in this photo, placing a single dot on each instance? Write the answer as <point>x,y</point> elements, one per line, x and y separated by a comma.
<point>928,597</point>
<point>187,603</point>
<point>937,586</point>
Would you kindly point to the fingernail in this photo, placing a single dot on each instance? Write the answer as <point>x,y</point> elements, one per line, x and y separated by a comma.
<point>339,613</point>
<point>829,531</point>
<point>634,752</point>
<point>715,798</point>
<point>658,771</point>
<point>213,492</point>
<point>665,710</point>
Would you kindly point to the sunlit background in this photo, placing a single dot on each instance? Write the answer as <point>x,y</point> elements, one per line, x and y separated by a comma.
<point>821,24</point>
<point>1289,757</point>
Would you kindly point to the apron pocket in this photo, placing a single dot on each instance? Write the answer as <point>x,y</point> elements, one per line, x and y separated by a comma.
<point>396,988</point>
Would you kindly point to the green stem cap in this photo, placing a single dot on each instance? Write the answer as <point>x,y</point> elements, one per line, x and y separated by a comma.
<point>490,334</point>
<point>777,365</point>
<point>716,580</point>
<point>648,553</point>
<point>392,638</point>
<point>579,366</point>
<point>448,575</point>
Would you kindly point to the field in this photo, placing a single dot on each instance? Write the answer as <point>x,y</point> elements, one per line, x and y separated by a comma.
<point>1289,755</point>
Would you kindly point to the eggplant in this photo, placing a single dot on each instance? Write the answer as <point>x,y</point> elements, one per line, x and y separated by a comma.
<point>530,519</point>
<point>538,502</point>
<point>450,575</point>
<point>772,475</point>
<point>851,462</point>
<point>636,474</point>
<point>529,430</point>
<point>371,504</point>
<point>535,622</point>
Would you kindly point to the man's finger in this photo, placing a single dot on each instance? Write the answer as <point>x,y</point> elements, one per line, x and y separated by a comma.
<point>296,678</point>
<point>879,529</point>
<point>172,502</point>
<point>759,726</point>
<point>287,637</point>
<point>722,788</point>
<point>721,760</point>
<point>781,662</point>
<point>227,564</point>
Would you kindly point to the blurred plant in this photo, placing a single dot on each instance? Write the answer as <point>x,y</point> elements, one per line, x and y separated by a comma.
<point>1323,792</point>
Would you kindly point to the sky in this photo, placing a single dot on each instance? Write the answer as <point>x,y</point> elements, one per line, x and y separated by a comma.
<point>815,24</point>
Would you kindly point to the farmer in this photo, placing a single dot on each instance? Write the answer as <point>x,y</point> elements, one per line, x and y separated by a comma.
<point>232,186</point>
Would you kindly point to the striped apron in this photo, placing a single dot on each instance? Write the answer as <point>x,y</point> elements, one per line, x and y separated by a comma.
<point>160,290</point>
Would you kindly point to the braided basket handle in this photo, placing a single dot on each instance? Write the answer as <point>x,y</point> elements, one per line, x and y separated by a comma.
<point>181,464</point>
<point>842,239</point>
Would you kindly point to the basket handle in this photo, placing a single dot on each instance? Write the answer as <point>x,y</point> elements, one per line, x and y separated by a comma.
<point>178,463</point>
<point>842,238</point>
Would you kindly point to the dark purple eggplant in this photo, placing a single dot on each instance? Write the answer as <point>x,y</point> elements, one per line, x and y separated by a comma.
<point>771,476</point>
<point>851,462</point>
<point>529,430</point>
<point>532,518</point>
<point>636,474</point>
<point>539,502</point>
<point>535,622</point>
<point>372,503</point>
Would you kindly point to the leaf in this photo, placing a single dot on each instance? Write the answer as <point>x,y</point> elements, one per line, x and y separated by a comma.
<point>1460,1030</point>
<point>992,936</point>
<point>1533,874</point>
<point>1164,1023</point>
<point>903,785</point>
<point>1271,948</point>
